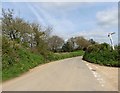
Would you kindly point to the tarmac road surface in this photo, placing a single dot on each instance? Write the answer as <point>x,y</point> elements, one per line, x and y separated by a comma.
<point>70,74</point>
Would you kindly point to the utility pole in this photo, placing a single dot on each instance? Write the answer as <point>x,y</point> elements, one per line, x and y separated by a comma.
<point>111,40</point>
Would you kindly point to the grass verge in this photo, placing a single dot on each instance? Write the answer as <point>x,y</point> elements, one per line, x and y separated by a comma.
<point>25,60</point>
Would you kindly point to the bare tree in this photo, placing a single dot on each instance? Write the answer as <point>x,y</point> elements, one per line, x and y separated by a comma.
<point>55,43</point>
<point>82,42</point>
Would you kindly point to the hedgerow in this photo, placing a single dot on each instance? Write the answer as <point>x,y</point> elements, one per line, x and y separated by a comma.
<point>102,54</point>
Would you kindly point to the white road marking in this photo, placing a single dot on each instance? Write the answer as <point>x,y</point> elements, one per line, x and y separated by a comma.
<point>96,75</point>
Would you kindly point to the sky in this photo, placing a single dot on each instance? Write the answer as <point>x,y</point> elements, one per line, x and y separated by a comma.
<point>93,20</point>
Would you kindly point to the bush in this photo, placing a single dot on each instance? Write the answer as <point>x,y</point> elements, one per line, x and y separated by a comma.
<point>102,54</point>
<point>18,60</point>
<point>14,65</point>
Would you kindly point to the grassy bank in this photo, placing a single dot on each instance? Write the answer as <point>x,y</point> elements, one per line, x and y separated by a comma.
<point>58,56</point>
<point>103,55</point>
<point>22,60</point>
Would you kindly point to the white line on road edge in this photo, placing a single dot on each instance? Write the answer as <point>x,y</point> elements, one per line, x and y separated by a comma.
<point>96,75</point>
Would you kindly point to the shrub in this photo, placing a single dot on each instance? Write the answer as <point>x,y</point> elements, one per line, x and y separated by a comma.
<point>102,54</point>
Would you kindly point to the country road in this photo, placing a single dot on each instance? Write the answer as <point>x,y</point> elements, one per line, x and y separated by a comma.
<point>70,74</point>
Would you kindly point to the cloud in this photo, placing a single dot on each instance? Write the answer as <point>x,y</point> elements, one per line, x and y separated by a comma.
<point>56,16</point>
<point>107,21</point>
<point>72,19</point>
<point>60,1</point>
<point>98,34</point>
<point>108,17</point>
